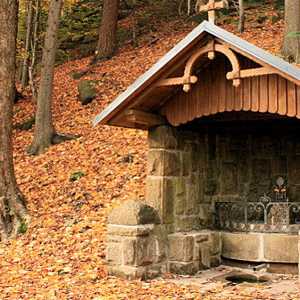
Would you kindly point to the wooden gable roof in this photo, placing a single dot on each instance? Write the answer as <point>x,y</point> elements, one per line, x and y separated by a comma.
<point>184,71</point>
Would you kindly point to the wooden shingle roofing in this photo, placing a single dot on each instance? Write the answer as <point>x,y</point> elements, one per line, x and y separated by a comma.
<point>206,29</point>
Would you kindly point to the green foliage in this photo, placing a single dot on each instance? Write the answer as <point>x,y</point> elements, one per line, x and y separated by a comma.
<point>76,175</point>
<point>22,228</point>
<point>294,34</point>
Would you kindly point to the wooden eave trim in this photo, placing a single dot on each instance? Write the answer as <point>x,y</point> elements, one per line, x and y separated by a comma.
<point>144,118</point>
<point>258,61</point>
<point>168,69</point>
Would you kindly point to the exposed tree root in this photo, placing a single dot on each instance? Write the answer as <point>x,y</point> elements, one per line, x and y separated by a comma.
<point>14,217</point>
<point>40,145</point>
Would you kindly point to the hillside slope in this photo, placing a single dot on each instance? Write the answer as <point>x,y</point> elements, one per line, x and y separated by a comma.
<point>61,256</point>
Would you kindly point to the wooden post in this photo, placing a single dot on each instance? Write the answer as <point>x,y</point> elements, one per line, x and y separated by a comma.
<point>211,8</point>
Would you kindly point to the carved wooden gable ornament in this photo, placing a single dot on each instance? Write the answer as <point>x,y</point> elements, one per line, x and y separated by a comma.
<point>211,71</point>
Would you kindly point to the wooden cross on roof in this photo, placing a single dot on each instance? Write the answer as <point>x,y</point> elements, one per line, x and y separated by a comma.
<point>211,8</point>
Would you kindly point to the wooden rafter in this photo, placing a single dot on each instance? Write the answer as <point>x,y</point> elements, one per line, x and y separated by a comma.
<point>144,118</point>
<point>235,75</point>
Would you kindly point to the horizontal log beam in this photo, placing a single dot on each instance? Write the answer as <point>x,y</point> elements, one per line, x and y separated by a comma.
<point>144,118</point>
<point>177,81</point>
<point>250,73</point>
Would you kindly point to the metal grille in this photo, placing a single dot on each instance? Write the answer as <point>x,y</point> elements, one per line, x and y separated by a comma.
<point>275,214</point>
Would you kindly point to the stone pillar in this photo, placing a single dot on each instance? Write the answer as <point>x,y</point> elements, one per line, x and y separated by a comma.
<point>164,167</point>
<point>136,242</point>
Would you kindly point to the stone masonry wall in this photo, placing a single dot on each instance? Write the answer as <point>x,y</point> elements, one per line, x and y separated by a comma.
<point>189,171</point>
<point>176,163</point>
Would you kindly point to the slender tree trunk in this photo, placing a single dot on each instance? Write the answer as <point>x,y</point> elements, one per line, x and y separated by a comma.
<point>34,44</point>
<point>44,129</point>
<point>12,205</point>
<point>241,16</point>
<point>291,44</point>
<point>24,75</point>
<point>108,30</point>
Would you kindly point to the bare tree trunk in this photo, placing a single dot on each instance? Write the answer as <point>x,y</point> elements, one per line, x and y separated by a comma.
<point>34,43</point>
<point>44,129</point>
<point>108,30</point>
<point>13,210</point>
<point>291,44</point>
<point>24,75</point>
<point>241,27</point>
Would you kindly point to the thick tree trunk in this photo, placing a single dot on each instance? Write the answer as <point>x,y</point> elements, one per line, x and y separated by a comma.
<point>108,30</point>
<point>12,205</point>
<point>291,44</point>
<point>24,75</point>
<point>44,128</point>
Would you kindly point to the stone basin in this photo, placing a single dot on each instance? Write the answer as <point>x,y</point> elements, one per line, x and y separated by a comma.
<point>260,247</point>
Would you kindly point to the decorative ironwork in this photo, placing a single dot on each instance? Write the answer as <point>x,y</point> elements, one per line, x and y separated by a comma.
<point>275,214</point>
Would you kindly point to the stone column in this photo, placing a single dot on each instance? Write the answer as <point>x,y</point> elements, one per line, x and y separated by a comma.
<point>164,167</point>
<point>136,242</point>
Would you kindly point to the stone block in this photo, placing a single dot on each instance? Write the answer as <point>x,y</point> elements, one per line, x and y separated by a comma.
<point>210,187</point>
<point>199,238</point>
<point>205,215</point>
<point>186,163</point>
<point>181,247</point>
<point>215,240</point>
<point>261,171</point>
<point>183,268</point>
<point>144,255</point>
<point>160,193</point>
<point>229,179</point>
<point>205,250</point>
<point>215,261</point>
<point>114,253</point>
<point>128,272</point>
<point>163,137</point>
<point>129,252</point>
<point>118,231</point>
<point>281,248</point>
<point>155,162</point>
<point>134,213</point>
<point>192,206</point>
<point>241,246</point>
<point>180,195</point>
<point>186,224</point>
<point>161,237</point>
<point>164,162</point>
<point>169,186</point>
<point>154,193</point>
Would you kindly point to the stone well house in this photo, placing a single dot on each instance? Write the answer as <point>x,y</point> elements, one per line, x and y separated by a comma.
<point>223,163</point>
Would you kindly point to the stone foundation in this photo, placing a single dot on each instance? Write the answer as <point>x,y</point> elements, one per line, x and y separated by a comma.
<point>136,250</point>
<point>190,252</point>
<point>188,173</point>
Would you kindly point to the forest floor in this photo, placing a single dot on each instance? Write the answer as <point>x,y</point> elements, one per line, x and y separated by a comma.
<point>62,254</point>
